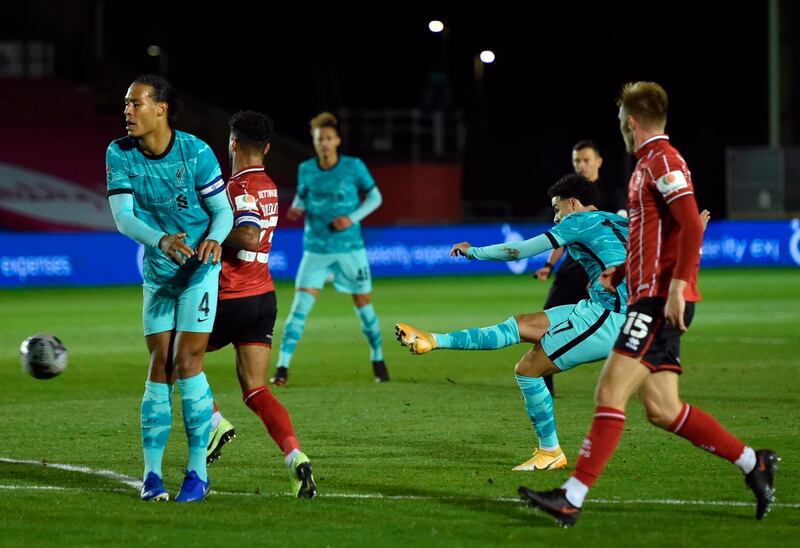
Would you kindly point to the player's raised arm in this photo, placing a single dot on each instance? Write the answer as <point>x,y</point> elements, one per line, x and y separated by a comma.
<point>508,251</point>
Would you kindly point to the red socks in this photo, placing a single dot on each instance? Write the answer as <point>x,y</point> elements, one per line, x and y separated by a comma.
<point>694,425</point>
<point>599,444</point>
<point>274,416</point>
<point>706,433</point>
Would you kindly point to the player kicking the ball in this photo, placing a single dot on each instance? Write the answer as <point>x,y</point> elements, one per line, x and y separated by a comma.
<point>662,265</point>
<point>565,336</point>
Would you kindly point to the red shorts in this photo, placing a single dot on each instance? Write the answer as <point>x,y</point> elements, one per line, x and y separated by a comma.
<point>646,335</point>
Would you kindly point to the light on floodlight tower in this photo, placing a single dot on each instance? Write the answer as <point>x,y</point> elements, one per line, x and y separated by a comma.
<point>153,51</point>
<point>436,26</point>
<point>487,56</point>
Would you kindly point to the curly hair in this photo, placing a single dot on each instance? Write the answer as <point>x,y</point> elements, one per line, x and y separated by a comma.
<point>574,186</point>
<point>252,128</point>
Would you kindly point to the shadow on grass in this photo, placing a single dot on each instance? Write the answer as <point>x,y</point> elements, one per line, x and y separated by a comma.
<point>42,476</point>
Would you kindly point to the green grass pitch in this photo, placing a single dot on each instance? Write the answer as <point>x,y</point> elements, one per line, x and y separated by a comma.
<point>423,460</point>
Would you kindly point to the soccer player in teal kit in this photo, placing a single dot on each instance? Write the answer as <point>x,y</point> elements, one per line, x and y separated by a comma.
<point>565,336</point>
<point>166,192</point>
<point>328,188</point>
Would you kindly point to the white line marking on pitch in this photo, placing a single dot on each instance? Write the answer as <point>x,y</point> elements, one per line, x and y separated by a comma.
<point>136,484</point>
<point>110,474</point>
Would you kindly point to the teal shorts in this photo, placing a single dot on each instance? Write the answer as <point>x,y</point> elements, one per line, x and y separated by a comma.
<point>191,308</point>
<point>580,333</point>
<point>350,271</point>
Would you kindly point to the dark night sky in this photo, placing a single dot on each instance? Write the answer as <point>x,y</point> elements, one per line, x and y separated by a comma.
<point>558,70</point>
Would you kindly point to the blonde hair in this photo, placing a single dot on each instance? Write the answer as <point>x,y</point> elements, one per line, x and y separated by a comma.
<point>645,101</point>
<point>324,119</point>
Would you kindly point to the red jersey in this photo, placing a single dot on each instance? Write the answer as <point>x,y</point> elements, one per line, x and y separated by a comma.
<point>254,198</point>
<point>661,177</point>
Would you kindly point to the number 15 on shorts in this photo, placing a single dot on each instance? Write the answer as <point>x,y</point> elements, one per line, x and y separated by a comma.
<point>637,328</point>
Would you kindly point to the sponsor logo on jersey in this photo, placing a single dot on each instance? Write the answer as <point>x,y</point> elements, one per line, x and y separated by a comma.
<point>246,202</point>
<point>671,182</point>
<point>183,203</point>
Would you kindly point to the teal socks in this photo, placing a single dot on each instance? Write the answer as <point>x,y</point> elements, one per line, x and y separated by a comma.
<point>481,338</point>
<point>197,403</point>
<point>295,324</point>
<point>156,413</point>
<point>372,331</point>
<point>539,406</point>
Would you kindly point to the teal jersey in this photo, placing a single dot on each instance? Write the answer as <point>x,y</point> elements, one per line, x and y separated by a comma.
<point>168,191</point>
<point>331,193</point>
<point>596,240</point>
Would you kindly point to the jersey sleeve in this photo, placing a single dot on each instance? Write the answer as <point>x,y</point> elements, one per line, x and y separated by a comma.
<point>567,231</point>
<point>511,251</point>
<point>245,207</point>
<point>302,188</point>
<point>671,178</point>
<point>208,176</point>
<point>364,180</point>
<point>117,179</point>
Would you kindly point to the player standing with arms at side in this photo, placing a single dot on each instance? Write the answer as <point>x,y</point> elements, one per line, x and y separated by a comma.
<point>166,192</point>
<point>247,302</point>
<point>662,263</point>
<point>328,188</point>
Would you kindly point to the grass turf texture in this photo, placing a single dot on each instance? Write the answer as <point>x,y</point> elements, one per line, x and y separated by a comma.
<point>444,432</point>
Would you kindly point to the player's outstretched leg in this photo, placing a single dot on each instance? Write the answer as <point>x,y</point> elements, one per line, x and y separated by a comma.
<point>222,432</point>
<point>156,414</point>
<point>477,338</point>
<point>417,340</point>
<point>295,325</point>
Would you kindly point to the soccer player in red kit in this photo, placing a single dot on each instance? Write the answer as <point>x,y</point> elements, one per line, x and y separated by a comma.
<point>247,303</point>
<point>663,257</point>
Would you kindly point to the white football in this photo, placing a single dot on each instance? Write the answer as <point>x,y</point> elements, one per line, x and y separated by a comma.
<point>43,356</point>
